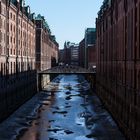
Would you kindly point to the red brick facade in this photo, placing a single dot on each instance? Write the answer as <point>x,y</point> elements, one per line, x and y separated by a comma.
<point>118,62</point>
<point>91,56</point>
<point>18,35</point>
<point>17,38</point>
<point>46,45</point>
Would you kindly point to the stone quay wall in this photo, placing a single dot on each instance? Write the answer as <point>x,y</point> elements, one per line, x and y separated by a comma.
<point>15,89</point>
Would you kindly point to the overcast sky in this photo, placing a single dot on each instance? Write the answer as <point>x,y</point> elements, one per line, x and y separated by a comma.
<point>67,19</point>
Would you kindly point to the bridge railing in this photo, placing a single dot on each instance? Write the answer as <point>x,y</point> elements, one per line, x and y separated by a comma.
<point>67,69</point>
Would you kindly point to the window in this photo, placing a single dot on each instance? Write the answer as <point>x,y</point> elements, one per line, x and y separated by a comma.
<point>4,24</point>
<point>11,39</point>
<point>11,51</point>
<point>19,21</point>
<point>0,22</point>
<point>11,27</point>
<point>0,36</point>
<point>14,29</point>
<point>11,15</point>
<point>0,49</point>
<point>4,37</point>
<point>0,7</point>
<point>14,17</point>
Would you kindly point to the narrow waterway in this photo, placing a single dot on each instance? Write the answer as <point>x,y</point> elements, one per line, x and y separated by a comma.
<point>66,110</point>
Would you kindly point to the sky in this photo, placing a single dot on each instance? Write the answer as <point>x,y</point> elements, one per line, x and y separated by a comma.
<point>67,19</point>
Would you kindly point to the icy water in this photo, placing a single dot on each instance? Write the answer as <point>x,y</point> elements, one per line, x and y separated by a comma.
<point>66,110</point>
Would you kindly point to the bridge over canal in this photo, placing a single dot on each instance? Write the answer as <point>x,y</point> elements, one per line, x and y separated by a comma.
<point>44,77</point>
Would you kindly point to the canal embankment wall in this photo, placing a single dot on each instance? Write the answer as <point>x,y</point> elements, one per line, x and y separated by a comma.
<point>15,89</point>
<point>119,102</point>
<point>91,78</point>
<point>44,79</point>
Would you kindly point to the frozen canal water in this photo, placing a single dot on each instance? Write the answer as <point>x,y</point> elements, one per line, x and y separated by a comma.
<point>67,110</point>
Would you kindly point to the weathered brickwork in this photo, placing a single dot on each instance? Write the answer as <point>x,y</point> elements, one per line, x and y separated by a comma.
<point>118,62</point>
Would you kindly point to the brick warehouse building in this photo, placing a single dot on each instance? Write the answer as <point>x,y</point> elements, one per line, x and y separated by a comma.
<point>17,37</point>
<point>90,39</point>
<point>92,57</point>
<point>17,56</point>
<point>18,80</point>
<point>87,49</point>
<point>46,45</point>
<point>118,62</point>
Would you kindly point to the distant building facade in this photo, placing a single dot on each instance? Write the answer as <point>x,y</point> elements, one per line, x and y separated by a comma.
<point>118,62</point>
<point>71,53</point>
<point>90,39</point>
<point>61,57</point>
<point>67,53</point>
<point>87,49</point>
<point>92,57</point>
<point>75,54</point>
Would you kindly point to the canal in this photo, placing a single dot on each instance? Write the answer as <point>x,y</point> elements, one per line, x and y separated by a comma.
<point>66,109</point>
